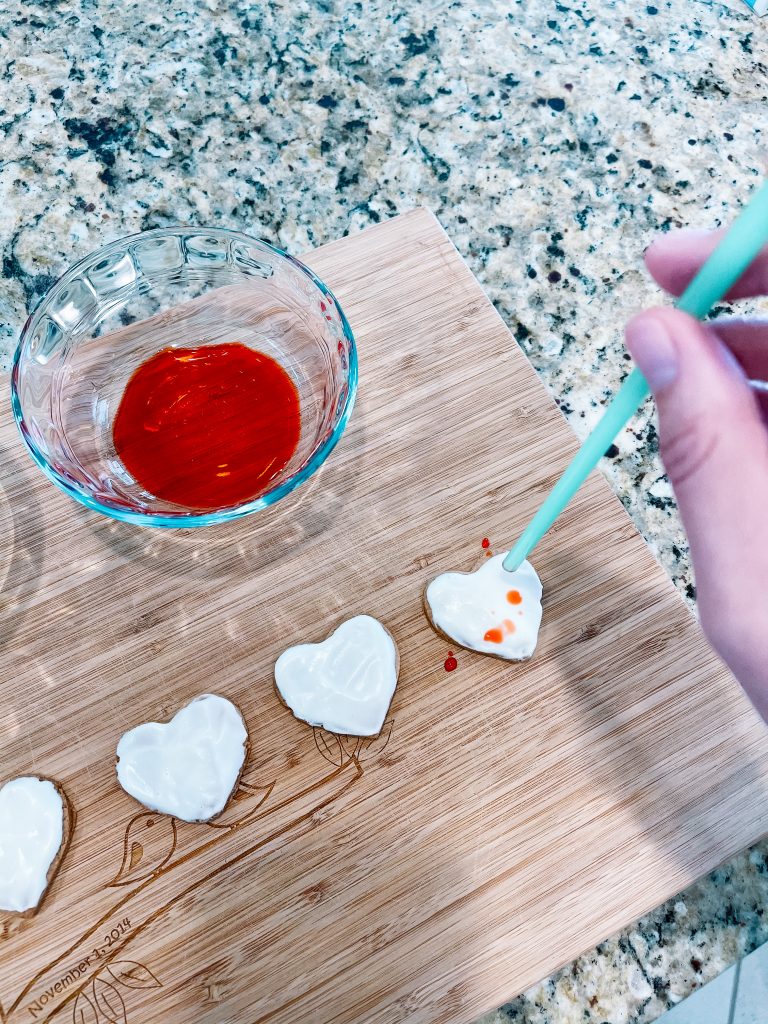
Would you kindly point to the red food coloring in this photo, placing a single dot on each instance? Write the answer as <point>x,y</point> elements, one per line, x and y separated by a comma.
<point>207,427</point>
<point>450,662</point>
<point>485,543</point>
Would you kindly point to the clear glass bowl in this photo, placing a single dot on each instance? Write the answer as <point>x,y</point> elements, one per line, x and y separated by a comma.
<point>173,287</point>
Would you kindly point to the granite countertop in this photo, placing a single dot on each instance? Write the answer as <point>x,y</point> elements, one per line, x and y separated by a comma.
<point>552,140</point>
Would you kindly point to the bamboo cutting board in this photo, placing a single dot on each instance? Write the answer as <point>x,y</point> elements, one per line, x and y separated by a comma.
<point>507,818</point>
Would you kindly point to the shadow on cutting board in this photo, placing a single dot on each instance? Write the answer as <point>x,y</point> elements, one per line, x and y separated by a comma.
<point>22,539</point>
<point>250,544</point>
<point>651,698</point>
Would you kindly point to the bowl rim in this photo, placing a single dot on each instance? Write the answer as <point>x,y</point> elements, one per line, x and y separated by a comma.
<point>185,519</point>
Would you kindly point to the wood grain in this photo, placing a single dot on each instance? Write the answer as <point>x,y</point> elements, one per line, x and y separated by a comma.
<point>509,816</point>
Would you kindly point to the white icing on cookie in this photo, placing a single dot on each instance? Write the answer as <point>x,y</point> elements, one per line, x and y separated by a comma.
<point>31,834</point>
<point>344,684</point>
<point>491,610</point>
<point>188,767</point>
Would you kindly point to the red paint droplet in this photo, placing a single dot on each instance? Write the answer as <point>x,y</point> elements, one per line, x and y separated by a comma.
<point>514,597</point>
<point>485,542</point>
<point>493,636</point>
<point>450,663</point>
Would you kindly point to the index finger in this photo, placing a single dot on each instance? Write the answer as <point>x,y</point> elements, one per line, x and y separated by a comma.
<point>674,259</point>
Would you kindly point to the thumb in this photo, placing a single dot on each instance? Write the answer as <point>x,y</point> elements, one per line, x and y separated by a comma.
<point>715,450</point>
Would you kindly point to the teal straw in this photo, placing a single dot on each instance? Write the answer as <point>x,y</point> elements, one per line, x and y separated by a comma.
<point>744,240</point>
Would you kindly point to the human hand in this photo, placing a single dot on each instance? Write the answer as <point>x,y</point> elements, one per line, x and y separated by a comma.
<point>714,444</point>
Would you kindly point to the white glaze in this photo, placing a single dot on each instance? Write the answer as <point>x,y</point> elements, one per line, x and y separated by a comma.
<point>344,684</point>
<point>188,767</point>
<point>31,834</point>
<point>465,606</point>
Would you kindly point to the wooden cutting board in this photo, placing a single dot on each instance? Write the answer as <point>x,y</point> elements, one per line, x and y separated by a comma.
<point>508,818</point>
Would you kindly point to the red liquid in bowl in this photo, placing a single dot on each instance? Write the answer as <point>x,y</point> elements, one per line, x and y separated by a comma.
<point>207,427</point>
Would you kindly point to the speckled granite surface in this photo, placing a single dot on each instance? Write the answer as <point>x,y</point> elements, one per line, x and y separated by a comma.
<point>552,140</point>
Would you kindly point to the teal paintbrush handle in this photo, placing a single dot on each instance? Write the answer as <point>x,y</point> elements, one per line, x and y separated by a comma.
<point>619,412</point>
<point>739,247</point>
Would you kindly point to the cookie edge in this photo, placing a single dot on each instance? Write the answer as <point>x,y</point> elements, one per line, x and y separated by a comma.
<point>246,756</point>
<point>452,640</point>
<point>69,821</point>
<point>303,721</point>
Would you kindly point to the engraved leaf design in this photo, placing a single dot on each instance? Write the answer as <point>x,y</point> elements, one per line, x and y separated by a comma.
<point>109,1001</point>
<point>330,747</point>
<point>370,746</point>
<point>133,975</point>
<point>149,842</point>
<point>349,745</point>
<point>339,749</point>
<point>84,1011</point>
<point>244,805</point>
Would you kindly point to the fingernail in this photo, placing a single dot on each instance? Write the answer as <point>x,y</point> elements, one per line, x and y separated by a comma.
<point>651,346</point>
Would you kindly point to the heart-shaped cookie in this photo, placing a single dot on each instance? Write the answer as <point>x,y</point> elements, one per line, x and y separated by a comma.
<point>190,766</point>
<point>345,683</point>
<point>35,827</point>
<point>491,610</point>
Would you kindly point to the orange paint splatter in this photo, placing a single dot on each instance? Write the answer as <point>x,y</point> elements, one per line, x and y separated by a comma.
<point>514,597</point>
<point>497,634</point>
<point>489,554</point>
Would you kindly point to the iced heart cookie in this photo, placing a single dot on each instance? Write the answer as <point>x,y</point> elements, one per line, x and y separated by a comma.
<point>189,767</point>
<point>345,683</point>
<point>36,822</point>
<point>491,610</point>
